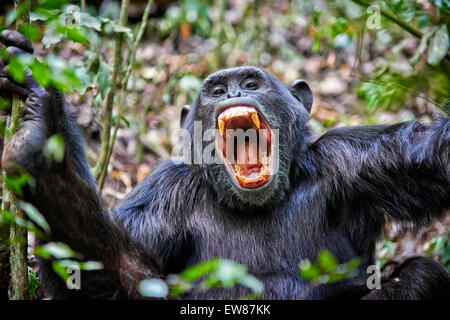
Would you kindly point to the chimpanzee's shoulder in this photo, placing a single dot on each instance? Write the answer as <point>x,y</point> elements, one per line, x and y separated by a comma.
<point>169,182</point>
<point>353,132</point>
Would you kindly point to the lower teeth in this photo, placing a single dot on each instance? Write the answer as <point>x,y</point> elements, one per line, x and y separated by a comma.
<point>264,174</point>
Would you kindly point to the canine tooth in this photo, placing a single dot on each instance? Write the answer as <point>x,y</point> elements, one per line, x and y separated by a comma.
<point>222,127</point>
<point>265,170</point>
<point>238,169</point>
<point>241,179</point>
<point>255,120</point>
<point>264,159</point>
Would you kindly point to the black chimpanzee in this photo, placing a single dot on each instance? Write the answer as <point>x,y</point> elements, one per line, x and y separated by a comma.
<point>335,192</point>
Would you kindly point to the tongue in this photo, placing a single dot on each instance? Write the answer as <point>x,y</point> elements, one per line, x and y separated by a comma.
<point>247,157</point>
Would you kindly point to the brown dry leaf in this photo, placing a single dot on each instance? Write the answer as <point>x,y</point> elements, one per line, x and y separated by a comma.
<point>116,174</point>
<point>323,111</point>
<point>185,31</point>
<point>142,171</point>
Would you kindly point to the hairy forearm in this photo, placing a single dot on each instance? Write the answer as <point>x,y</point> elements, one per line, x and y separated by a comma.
<point>65,193</point>
<point>399,171</point>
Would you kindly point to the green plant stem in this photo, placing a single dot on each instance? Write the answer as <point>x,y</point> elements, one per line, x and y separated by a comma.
<point>131,62</point>
<point>107,121</point>
<point>4,232</point>
<point>388,15</point>
<point>220,36</point>
<point>18,235</point>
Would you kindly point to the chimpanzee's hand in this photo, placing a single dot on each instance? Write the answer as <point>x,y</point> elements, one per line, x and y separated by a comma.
<point>41,111</point>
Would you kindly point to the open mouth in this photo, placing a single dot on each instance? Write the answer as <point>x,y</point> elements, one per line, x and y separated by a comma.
<point>246,153</point>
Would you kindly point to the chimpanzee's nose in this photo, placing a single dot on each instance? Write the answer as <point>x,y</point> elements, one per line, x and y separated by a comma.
<point>234,93</point>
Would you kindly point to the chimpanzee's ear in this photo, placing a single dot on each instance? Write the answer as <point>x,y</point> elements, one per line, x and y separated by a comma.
<point>300,89</point>
<point>184,113</point>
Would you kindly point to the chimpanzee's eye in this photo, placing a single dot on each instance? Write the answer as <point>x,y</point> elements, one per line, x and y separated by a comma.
<point>250,84</point>
<point>218,90</point>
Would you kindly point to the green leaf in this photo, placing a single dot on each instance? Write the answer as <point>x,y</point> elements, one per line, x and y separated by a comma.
<point>27,225</point>
<point>228,272</point>
<point>195,272</point>
<point>353,264</point>
<point>316,43</point>
<point>327,261</point>
<point>422,47</point>
<point>177,285</point>
<point>18,65</point>
<point>38,16</point>
<point>127,123</point>
<point>51,37</point>
<point>16,13</point>
<point>34,215</point>
<point>60,270</point>
<point>77,35</point>
<point>41,73</point>
<point>51,4</point>
<point>30,32</point>
<point>33,282</point>
<point>91,265</point>
<point>308,271</point>
<point>54,148</point>
<point>251,282</point>
<point>316,17</point>
<point>64,77</point>
<point>58,250</point>
<point>438,46</point>
<point>16,183</point>
<point>89,21</point>
<point>154,288</point>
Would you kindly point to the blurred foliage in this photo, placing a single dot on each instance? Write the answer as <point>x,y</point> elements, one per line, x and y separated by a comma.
<point>189,16</point>
<point>214,273</point>
<point>388,68</point>
<point>33,283</point>
<point>440,247</point>
<point>60,254</point>
<point>327,269</point>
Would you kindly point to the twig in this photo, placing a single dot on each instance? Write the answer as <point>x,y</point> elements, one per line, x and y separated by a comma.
<point>404,25</point>
<point>5,268</point>
<point>131,61</point>
<point>83,5</point>
<point>18,235</point>
<point>107,121</point>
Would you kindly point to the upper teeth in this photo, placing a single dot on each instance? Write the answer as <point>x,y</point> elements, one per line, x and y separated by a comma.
<point>231,113</point>
<point>255,119</point>
<point>222,127</point>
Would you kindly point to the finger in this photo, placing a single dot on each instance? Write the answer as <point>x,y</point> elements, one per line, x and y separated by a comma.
<point>7,87</point>
<point>15,51</point>
<point>16,39</point>
<point>29,83</point>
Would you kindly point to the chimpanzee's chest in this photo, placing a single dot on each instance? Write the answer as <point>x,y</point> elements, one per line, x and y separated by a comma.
<point>270,244</point>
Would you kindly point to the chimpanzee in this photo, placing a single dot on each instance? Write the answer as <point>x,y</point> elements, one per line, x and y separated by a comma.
<point>335,192</point>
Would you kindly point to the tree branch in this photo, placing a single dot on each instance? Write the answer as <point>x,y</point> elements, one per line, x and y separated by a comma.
<point>131,62</point>
<point>107,121</point>
<point>388,15</point>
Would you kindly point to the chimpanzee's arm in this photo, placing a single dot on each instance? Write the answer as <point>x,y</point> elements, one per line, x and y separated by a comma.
<point>66,193</point>
<point>400,171</point>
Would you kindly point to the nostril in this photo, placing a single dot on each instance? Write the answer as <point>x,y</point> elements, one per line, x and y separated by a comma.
<point>234,94</point>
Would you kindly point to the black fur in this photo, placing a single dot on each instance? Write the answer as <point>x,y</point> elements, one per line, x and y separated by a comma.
<point>334,193</point>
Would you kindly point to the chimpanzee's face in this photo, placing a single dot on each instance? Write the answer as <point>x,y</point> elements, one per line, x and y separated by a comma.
<point>257,122</point>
